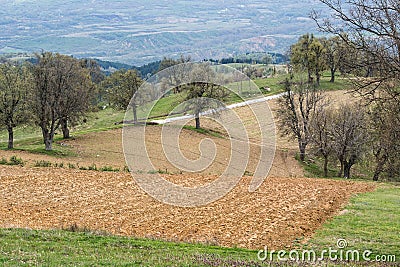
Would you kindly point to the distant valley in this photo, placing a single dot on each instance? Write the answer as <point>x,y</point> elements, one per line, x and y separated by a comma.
<point>139,32</point>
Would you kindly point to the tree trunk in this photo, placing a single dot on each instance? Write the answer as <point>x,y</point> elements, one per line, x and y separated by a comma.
<point>369,72</point>
<point>302,149</point>
<point>348,165</point>
<point>135,120</point>
<point>346,170</point>
<point>318,76</point>
<point>10,137</point>
<point>332,75</point>
<point>341,169</point>
<point>376,174</point>
<point>379,167</point>
<point>197,118</point>
<point>64,127</point>
<point>325,166</point>
<point>310,78</point>
<point>47,139</point>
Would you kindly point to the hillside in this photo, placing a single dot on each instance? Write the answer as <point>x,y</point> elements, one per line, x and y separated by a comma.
<point>140,32</point>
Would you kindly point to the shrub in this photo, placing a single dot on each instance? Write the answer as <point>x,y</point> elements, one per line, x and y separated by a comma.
<point>92,167</point>
<point>3,161</point>
<point>42,163</point>
<point>16,161</point>
<point>59,165</point>
<point>108,169</point>
<point>71,166</point>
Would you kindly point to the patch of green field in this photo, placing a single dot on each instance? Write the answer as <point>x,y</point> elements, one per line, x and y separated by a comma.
<point>340,83</point>
<point>204,131</point>
<point>166,105</point>
<point>64,248</point>
<point>370,222</point>
<point>96,121</point>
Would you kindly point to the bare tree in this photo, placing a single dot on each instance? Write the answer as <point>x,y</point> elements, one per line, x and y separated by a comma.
<point>321,133</point>
<point>350,136</point>
<point>176,75</point>
<point>385,139</point>
<point>372,28</point>
<point>14,84</point>
<point>77,94</point>
<point>371,31</point>
<point>297,107</point>
<point>60,93</point>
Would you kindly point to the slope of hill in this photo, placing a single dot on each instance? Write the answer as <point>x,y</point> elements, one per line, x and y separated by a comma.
<point>138,32</point>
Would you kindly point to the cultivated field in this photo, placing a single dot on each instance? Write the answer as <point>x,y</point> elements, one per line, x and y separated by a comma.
<point>280,211</point>
<point>285,208</point>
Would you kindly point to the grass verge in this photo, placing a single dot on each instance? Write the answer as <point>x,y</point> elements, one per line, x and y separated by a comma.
<point>371,221</point>
<point>84,248</point>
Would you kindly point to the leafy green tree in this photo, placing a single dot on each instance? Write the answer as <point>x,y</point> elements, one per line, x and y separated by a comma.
<point>267,59</point>
<point>14,87</point>
<point>317,58</point>
<point>121,88</point>
<point>336,52</point>
<point>308,55</point>
<point>204,96</point>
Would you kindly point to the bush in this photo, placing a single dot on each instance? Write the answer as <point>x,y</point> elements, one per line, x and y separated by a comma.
<point>59,165</point>
<point>71,166</point>
<point>92,167</point>
<point>15,161</point>
<point>3,161</point>
<point>108,169</point>
<point>42,163</point>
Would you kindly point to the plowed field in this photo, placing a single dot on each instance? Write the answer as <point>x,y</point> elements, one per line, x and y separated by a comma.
<point>280,211</point>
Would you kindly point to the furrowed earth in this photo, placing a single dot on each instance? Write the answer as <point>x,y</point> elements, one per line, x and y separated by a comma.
<point>280,211</point>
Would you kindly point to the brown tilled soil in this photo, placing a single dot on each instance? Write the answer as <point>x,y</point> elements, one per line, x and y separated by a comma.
<point>280,211</point>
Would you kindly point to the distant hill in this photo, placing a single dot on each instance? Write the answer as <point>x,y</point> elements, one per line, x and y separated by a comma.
<point>143,31</point>
<point>254,58</point>
<point>144,70</point>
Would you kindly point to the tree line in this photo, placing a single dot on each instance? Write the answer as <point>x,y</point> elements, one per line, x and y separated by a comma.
<point>55,92</point>
<point>365,46</point>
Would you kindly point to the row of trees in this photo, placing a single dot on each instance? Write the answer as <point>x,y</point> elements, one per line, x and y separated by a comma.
<point>315,55</point>
<point>57,91</point>
<point>366,44</point>
<point>339,133</point>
